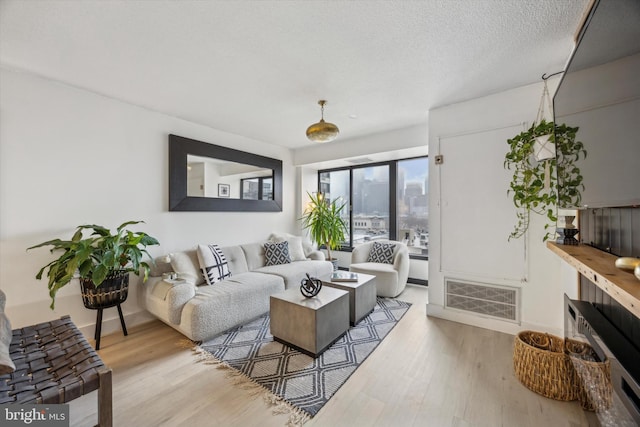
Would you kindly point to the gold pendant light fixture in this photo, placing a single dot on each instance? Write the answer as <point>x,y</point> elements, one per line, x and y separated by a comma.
<point>322,131</point>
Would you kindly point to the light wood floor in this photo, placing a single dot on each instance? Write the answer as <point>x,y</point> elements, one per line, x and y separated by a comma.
<point>427,372</point>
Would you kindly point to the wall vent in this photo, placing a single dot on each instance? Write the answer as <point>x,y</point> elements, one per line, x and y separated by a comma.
<point>360,160</point>
<point>499,302</point>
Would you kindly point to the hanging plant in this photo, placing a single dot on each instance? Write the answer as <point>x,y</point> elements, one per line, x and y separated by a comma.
<point>534,186</point>
<point>569,178</point>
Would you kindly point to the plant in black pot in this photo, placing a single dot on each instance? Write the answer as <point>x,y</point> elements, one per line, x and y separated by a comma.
<point>101,262</point>
<point>324,220</point>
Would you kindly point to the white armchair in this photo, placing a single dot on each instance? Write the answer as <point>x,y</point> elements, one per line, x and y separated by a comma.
<point>391,279</point>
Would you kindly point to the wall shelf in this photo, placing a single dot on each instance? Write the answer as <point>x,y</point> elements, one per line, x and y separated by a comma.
<point>599,267</point>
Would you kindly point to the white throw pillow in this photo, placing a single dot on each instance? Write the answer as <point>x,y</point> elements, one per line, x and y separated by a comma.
<point>213,263</point>
<point>186,264</point>
<point>296,250</point>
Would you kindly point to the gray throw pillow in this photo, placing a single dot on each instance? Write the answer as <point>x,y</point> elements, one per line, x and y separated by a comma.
<point>277,253</point>
<point>381,253</point>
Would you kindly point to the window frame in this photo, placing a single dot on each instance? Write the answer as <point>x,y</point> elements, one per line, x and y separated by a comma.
<point>261,180</point>
<point>393,196</point>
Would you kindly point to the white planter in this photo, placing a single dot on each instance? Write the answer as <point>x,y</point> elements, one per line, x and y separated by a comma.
<point>544,148</point>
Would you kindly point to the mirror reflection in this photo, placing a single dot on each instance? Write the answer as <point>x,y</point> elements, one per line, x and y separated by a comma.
<point>217,178</point>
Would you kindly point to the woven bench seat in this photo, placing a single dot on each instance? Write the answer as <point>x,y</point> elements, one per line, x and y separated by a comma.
<point>55,364</point>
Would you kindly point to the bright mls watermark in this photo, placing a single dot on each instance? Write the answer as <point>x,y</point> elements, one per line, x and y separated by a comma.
<point>35,415</point>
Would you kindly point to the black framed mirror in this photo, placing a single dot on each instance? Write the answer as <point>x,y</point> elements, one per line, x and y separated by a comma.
<point>209,177</point>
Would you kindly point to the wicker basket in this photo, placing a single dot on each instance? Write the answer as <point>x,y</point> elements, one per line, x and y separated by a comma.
<point>113,291</point>
<point>591,377</point>
<point>541,365</point>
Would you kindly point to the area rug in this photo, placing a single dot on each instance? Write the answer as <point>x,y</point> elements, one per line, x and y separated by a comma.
<point>292,381</point>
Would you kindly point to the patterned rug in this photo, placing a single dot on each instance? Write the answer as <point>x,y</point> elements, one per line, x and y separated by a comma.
<point>294,382</point>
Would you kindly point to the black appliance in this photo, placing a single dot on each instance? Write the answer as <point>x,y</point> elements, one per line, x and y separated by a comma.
<point>584,322</point>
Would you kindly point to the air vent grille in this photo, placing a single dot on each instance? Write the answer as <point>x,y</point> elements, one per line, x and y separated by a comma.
<point>360,160</point>
<point>499,302</point>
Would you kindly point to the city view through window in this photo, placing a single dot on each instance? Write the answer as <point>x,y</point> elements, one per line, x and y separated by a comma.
<point>413,204</point>
<point>372,211</point>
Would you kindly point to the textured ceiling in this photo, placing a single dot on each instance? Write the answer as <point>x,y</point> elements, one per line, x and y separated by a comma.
<point>258,68</point>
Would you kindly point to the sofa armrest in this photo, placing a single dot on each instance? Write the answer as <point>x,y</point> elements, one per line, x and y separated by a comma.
<point>177,296</point>
<point>401,263</point>
<point>166,299</point>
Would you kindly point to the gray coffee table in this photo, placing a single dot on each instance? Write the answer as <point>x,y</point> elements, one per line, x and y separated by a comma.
<point>362,295</point>
<point>310,325</point>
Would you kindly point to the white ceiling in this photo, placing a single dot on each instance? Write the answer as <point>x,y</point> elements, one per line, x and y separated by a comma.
<point>258,68</point>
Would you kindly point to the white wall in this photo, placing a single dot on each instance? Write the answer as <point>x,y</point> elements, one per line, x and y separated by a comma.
<point>70,157</point>
<point>484,120</point>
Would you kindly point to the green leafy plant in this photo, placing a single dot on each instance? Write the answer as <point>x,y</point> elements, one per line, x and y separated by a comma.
<point>324,221</point>
<point>563,178</point>
<point>97,256</point>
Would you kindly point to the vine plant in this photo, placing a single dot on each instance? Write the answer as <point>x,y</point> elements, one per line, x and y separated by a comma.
<point>528,189</point>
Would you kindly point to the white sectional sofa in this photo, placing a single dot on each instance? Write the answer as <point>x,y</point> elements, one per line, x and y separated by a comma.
<point>200,311</point>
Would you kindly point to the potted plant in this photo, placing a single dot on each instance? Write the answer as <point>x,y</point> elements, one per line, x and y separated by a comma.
<point>101,261</point>
<point>324,221</point>
<point>534,185</point>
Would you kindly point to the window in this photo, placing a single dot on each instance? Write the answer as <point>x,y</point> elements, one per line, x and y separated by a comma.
<point>412,204</point>
<point>387,201</point>
<point>336,185</point>
<point>370,207</point>
<point>257,188</point>
<point>267,189</point>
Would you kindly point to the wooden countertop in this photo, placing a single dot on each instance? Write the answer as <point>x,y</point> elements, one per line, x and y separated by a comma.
<point>599,267</point>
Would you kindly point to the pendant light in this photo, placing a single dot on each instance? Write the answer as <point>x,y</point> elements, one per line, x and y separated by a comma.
<point>322,131</point>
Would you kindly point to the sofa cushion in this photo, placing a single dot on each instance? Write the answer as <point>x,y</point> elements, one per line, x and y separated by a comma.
<point>213,263</point>
<point>276,253</point>
<point>230,303</point>
<point>309,247</point>
<point>236,259</point>
<point>381,252</point>
<point>387,279</point>
<point>187,265</point>
<point>254,255</point>
<point>294,272</point>
<point>6,364</point>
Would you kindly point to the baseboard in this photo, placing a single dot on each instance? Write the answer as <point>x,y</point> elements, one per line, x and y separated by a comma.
<point>112,324</point>
<point>488,323</point>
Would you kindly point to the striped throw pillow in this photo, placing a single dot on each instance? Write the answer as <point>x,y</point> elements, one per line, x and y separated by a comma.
<point>213,264</point>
